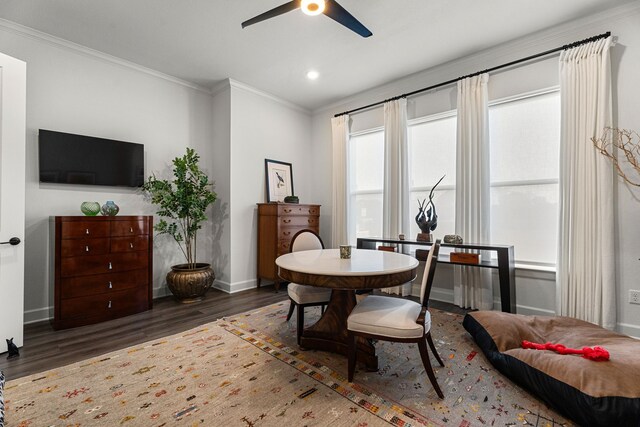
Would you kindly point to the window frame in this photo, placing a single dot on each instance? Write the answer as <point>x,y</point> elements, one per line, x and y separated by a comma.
<point>493,184</point>
<point>528,265</point>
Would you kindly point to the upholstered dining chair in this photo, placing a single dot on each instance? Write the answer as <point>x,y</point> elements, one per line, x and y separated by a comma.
<point>399,320</point>
<point>302,295</point>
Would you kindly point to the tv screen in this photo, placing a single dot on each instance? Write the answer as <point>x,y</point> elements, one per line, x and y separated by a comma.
<point>66,158</point>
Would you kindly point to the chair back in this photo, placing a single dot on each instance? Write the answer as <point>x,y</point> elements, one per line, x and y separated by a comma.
<point>305,240</point>
<point>429,273</point>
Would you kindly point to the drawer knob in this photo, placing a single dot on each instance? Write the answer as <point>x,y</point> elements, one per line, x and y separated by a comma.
<point>86,248</point>
<point>286,221</point>
<point>131,245</point>
<point>287,210</point>
<point>86,231</point>
<point>110,285</point>
<point>130,229</point>
<point>110,267</point>
<point>109,306</point>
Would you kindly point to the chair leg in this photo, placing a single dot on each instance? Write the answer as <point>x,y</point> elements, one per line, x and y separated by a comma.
<point>300,321</point>
<point>424,354</point>
<point>292,306</point>
<point>351,363</point>
<point>433,349</point>
<point>322,308</point>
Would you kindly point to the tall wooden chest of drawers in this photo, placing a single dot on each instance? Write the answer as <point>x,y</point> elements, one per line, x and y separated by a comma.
<point>277,224</point>
<point>102,268</point>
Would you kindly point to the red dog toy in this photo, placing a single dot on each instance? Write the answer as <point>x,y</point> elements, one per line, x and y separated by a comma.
<point>598,354</point>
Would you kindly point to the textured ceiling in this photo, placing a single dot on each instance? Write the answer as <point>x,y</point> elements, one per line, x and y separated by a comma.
<point>201,40</point>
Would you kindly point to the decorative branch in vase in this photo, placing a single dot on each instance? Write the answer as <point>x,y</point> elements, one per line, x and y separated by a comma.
<point>627,143</point>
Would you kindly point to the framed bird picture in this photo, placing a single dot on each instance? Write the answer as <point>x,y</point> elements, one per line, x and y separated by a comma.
<point>279,180</point>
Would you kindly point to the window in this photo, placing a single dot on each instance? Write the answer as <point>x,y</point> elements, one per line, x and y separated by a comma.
<point>366,173</point>
<point>525,141</point>
<point>432,153</point>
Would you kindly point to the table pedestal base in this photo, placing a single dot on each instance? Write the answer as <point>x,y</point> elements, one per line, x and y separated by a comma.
<point>330,332</point>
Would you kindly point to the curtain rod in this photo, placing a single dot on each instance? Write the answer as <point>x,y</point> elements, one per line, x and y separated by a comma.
<point>488,70</point>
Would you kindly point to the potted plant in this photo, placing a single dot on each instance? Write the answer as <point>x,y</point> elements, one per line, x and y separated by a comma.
<point>182,204</point>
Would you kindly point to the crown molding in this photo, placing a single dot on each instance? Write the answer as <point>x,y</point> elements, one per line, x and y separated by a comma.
<point>231,83</point>
<point>550,37</point>
<point>21,30</point>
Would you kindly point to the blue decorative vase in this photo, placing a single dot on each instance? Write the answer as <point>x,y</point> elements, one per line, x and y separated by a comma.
<point>110,209</point>
<point>90,208</point>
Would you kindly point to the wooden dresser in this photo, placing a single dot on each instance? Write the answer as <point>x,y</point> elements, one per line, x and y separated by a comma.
<point>102,268</point>
<point>277,224</point>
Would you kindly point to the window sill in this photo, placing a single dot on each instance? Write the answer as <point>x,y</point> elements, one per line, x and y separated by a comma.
<point>536,267</point>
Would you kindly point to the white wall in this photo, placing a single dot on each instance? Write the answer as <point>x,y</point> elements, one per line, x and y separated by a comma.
<point>74,90</point>
<point>221,173</point>
<point>535,290</point>
<point>262,127</point>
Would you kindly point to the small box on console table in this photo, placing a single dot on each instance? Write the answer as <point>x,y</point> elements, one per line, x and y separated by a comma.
<point>422,254</point>
<point>464,258</point>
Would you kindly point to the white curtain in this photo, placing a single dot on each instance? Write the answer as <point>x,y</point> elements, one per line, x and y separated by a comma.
<point>395,198</point>
<point>585,279</point>
<point>472,285</point>
<point>340,210</point>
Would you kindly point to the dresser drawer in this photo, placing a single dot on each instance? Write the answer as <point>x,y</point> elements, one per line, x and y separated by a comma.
<point>73,287</point>
<point>100,264</point>
<point>81,247</point>
<point>283,247</point>
<point>129,244</point>
<point>110,304</point>
<point>292,209</point>
<point>298,221</point>
<point>80,229</point>
<point>129,227</point>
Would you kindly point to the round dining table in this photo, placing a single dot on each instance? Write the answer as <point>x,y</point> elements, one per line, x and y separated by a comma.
<point>366,269</point>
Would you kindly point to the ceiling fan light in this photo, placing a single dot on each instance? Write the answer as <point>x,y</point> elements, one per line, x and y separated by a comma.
<point>312,7</point>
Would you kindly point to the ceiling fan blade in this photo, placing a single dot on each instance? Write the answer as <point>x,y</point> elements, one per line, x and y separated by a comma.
<point>287,7</point>
<point>339,14</point>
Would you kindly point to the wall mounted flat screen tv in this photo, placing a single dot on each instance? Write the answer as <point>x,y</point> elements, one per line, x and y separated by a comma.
<point>66,158</point>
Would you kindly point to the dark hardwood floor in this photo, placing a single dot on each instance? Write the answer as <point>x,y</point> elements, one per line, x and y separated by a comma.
<point>45,348</point>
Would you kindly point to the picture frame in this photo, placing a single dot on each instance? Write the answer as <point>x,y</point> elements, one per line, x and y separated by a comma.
<point>279,180</point>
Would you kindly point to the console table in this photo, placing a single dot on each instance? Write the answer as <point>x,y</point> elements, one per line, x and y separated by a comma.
<point>505,263</point>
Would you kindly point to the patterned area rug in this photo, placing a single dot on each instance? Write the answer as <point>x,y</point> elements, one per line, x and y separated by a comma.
<point>246,370</point>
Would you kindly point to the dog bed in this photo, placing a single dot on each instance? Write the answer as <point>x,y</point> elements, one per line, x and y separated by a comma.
<point>590,393</point>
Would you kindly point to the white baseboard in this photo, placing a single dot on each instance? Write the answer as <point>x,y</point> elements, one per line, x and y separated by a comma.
<point>446,295</point>
<point>38,315</point>
<point>628,329</point>
<point>161,292</point>
<point>232,288</point>
<point>530,311</point>
<point>441,294</point>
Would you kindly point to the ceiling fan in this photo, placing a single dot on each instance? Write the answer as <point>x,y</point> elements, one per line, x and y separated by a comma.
<point>331,8</point>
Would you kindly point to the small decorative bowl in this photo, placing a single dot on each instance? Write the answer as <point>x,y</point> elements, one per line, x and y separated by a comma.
<point>90,208</point>
<point>291,199</point>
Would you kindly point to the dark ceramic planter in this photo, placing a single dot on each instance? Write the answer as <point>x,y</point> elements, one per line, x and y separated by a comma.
<point>190,284</point>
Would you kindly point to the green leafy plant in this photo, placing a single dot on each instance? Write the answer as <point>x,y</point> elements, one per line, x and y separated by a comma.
<point>183,202</point>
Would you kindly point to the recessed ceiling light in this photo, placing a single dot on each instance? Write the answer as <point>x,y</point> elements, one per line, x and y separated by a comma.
<point>312,74</point>
<point>312,7</point>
